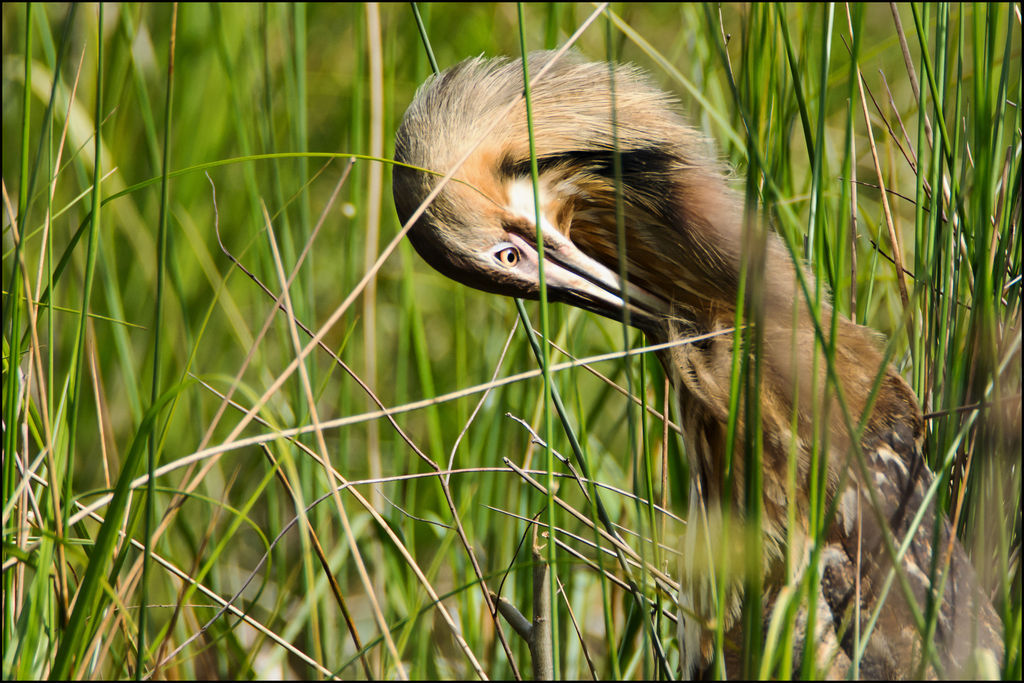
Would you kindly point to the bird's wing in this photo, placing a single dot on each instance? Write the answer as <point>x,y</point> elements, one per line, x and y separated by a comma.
<point>965,623</point>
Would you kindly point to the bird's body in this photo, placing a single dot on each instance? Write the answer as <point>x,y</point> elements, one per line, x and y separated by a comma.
<point>687,239</point>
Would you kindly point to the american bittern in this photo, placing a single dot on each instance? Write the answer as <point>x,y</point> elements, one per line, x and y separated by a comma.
<point>684,245</point>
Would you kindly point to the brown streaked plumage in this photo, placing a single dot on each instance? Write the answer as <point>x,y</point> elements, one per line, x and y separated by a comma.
<point>684,247</point>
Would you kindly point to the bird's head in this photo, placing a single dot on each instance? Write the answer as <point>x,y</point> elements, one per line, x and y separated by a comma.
<point>609,147</point>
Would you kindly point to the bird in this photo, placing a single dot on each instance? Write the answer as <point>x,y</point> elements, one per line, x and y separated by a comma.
<point>611,145</point>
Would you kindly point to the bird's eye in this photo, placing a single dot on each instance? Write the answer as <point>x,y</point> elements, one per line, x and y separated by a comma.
<point>508,257</point>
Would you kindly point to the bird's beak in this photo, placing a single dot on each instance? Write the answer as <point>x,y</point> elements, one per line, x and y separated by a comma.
<point>573,277</point>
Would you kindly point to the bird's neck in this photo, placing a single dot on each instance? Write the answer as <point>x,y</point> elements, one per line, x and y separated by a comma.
<point>811,371</point>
